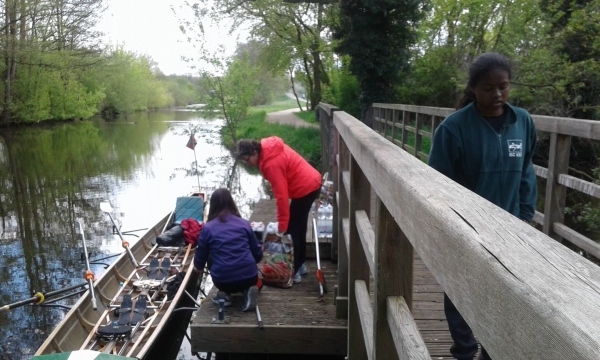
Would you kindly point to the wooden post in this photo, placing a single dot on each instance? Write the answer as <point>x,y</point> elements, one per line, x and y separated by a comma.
<point>358,267</point>
<point>418,137</point>
<point>394,121</point>
<point>334,176</point>
<point>405,120</point>
<point>558,163</point>
<point>393,277</point>
<point>341,308</point>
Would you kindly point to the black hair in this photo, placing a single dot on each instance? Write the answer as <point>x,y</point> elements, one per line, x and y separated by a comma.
<point>246,147</point>
<point>481,66</point>
<point>221,204</point>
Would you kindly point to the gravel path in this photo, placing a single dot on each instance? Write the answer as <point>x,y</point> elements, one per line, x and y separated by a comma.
<point>287,117</point>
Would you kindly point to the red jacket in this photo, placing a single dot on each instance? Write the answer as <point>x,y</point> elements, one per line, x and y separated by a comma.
<point>291,177</point>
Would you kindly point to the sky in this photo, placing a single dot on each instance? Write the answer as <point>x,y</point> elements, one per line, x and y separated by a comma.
<point>150,27</point>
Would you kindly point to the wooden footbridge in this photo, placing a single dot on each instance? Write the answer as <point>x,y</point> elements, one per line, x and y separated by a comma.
<point>403,234</point>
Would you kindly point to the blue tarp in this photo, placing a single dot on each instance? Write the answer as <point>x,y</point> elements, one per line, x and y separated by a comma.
<point>189,207</point>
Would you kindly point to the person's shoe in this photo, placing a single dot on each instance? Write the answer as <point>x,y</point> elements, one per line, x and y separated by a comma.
<point>250,298</point>
<point>222,295</point>
<point>303,270</point>
<point>297,278</point>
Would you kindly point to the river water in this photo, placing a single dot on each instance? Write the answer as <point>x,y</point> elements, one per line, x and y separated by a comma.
<point>55,174</point>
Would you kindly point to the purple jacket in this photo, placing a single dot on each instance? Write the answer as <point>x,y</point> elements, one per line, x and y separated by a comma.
<point>233,249</point>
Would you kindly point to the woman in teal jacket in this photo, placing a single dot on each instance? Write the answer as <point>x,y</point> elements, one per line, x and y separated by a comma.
<point>487,147</point>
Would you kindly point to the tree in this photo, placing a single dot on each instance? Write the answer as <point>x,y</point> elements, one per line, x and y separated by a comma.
<point>297,32</point>
<point>232,86</point>
<point>377,35</point>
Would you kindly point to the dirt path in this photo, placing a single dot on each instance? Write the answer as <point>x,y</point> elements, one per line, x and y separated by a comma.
<point>287,117</point>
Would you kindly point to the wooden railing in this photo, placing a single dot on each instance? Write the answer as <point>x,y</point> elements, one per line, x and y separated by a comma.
<point>395,122</point>
<point>525,295</point>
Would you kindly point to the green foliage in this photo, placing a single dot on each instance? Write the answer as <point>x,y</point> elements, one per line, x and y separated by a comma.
<point>305,141</point>
<point>379,49</point>
<point>308,116</point>
<point>232,94</point>
<point>56,92</point>
<point>130,83</point>
<point>345,90</point>
<point>282,103</point>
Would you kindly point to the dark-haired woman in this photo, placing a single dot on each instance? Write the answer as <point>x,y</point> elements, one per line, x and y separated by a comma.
<point>486,146</point>
<point>233,249</point>
<point>291,177</point>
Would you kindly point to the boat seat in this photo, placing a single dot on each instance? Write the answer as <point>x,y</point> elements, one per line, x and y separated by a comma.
<point>189,207</point>
<point>121,327</point>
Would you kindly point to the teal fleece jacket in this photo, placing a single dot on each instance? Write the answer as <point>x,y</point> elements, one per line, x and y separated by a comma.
<point>496,166</point>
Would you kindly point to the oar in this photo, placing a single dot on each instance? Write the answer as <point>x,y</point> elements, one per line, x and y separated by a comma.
<point>89,275</point>
<point>320,277</point>
<point>38,298</point>
<point>322,284</point>
<point>105,206</point>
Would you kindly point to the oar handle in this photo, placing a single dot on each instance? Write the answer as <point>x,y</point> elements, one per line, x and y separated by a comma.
<point>124,243</point>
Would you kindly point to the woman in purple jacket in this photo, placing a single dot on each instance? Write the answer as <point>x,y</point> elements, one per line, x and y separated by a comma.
<point>229,244</point>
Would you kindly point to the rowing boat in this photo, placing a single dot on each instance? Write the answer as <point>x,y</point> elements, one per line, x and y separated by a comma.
<point>139,313</point>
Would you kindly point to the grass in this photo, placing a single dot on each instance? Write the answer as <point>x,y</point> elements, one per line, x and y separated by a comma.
<point>305,141</point>
<point>308,116</point>
<point>280,104</point>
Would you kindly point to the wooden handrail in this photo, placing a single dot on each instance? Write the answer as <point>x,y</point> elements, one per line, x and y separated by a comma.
<point>561,130</point>
<point>521,290</point>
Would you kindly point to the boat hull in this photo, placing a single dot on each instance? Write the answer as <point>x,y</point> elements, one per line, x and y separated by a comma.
<point>160,337</point>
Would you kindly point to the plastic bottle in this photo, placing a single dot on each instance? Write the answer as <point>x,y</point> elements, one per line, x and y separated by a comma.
<point>328,219</point>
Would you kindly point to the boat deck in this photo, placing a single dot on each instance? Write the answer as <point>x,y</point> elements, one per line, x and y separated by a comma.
<point>295,322</point>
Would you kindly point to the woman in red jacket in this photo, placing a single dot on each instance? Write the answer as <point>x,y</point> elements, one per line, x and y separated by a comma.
<point>291,177</point>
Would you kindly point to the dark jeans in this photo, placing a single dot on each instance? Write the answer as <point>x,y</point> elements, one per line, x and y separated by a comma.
<point>465,346</point>
<point>299,209</point>
<point>238,286</point>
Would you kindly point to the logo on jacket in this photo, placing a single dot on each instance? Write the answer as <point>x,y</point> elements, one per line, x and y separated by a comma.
<point>515,148</point>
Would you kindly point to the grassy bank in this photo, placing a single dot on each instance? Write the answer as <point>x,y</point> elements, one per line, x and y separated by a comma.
<point>306,141</point>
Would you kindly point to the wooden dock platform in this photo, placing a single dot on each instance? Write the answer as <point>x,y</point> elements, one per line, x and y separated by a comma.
<point>296,321</point>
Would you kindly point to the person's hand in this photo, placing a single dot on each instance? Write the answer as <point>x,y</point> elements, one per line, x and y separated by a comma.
<point>280,234</point>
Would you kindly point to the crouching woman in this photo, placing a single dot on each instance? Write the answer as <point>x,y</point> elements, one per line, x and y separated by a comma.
<point>228,243</point>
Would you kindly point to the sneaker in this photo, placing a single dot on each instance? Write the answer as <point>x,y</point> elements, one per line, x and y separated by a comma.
<point>222,295</point>
<point>250,298</point>
<point>297,278</point>
<point>303,270</point>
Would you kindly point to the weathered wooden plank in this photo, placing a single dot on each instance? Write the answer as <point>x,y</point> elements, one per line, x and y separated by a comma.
<point>444,112</point>
<point>358,266</point>
<point>366,317</point>
<point>522,276</point>
<point>393,276</point>
<point>272,339</point>
<point>558,163</point>
<point>540,171</point>
<point>574,183</point>
<point>346,231</point>
<point>575,238</point>
<point>588,129</point>
<point>346,182</point>
<point>407,339</point>
<point>344,213</point>
<point>367,237</point>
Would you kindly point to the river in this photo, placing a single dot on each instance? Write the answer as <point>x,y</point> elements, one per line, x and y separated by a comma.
<point>52,175</point>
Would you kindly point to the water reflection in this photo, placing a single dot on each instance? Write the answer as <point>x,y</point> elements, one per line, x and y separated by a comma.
<point>52,175</point>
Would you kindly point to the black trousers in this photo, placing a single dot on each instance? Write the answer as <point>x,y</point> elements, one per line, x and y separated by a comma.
<point>238,286</point>
<point>465,346</point>
<point>299,209</point>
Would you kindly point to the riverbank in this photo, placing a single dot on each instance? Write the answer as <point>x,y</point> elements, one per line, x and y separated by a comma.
<point>304,139</point>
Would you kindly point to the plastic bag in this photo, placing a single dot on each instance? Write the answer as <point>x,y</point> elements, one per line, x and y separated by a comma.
<point>171,237</point>
<point>277,266</point>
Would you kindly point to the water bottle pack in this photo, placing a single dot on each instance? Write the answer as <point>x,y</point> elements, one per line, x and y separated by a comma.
<point>259,230</point>
<point>324,220</point>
